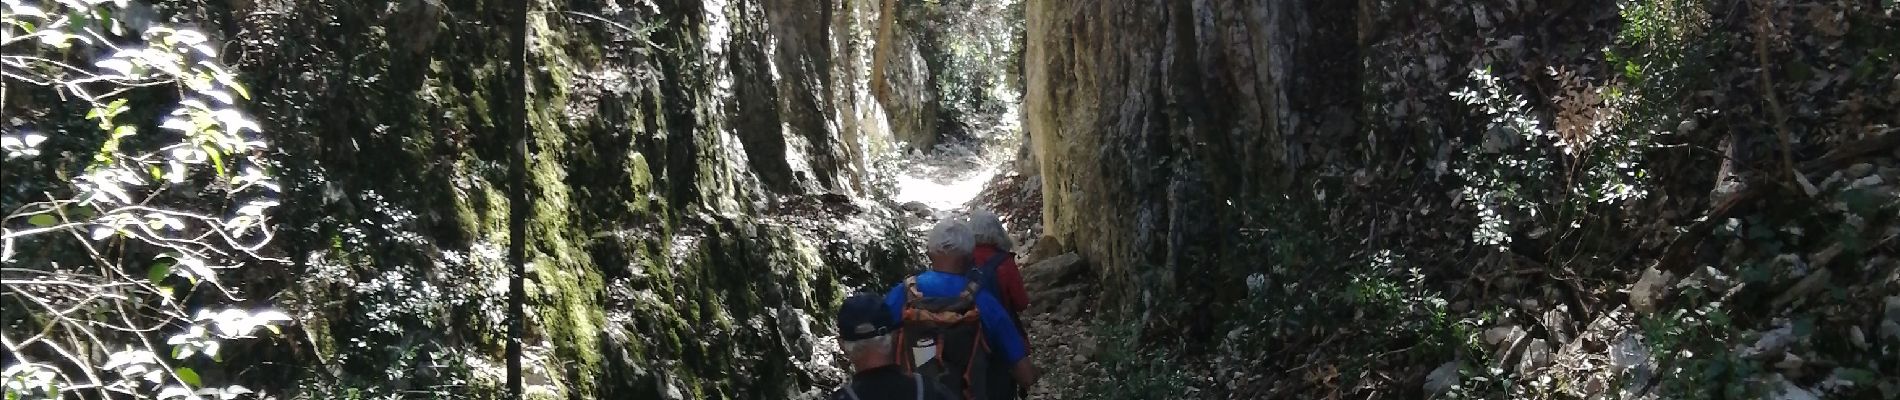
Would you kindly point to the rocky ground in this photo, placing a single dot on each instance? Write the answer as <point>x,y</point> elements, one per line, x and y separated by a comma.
<point>1064,346</point>
<point>1546,343</point>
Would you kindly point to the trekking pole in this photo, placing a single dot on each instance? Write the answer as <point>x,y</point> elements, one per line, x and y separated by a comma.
<point>517,193</point>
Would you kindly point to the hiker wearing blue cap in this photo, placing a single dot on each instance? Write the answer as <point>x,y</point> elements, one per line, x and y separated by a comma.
<point>865,326</point>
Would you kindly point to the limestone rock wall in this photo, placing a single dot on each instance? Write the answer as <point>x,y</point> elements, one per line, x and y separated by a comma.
<point>698,182</point>
<point>1176,140</point>
<point>1148,119</point>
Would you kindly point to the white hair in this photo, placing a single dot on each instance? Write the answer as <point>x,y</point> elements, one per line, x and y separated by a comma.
<point>950,236</point>
<point>852,348</point>
<point>986,228</point>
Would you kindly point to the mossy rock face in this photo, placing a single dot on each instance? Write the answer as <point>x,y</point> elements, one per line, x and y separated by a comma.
<point>657,269</point>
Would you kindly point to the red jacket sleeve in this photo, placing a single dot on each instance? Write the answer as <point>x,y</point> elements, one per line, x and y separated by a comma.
<point>1010,277</point>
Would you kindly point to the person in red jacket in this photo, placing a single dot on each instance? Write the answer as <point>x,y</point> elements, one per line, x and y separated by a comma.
<point>1002,278</point>
<point>993,255</point>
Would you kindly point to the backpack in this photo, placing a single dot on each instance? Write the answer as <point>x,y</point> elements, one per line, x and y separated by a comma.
<point>941,338</point>
<point>986,274</point>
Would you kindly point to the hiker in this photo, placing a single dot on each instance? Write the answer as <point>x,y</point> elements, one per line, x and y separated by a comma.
<point>951,330</point>
<point>997,271</point>
<point>996,262</point>
<point>865,328</point>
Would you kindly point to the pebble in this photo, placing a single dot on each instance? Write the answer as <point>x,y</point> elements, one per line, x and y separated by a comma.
<point>1860,170</point>
<point>1789,391</point>
<point>1499,335</point>
<point>1557,322</point>
<point>1442,378</point>
<point>1771,343</point>
<point>1791,362</point>
<point>1893,309</point>
<point>1536,357</point>
<point>1646,295</point>
<point>1869,181</point>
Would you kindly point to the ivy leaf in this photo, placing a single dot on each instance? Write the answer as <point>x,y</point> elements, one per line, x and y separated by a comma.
<point>43,220</point>
<point>115,108</point>
<point>122,67</point>
<point>217,159</point>
<point>26,10</point>
<point>246,94</point>
<point>160,269</point>
<point>189,376</point>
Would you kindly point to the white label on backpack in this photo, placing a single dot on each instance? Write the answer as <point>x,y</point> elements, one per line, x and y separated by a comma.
<point>922,352</point>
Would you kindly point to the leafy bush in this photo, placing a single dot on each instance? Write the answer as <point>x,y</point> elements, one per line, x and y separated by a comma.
<point>1524,174</point>
<point>1662,53</point>
<point>1133,370</point>
<point>118,236</point>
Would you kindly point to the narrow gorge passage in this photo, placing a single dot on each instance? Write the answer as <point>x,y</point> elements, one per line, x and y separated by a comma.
<point>1211,199</point>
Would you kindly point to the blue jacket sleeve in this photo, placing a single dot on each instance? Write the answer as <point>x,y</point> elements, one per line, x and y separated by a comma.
<point>1000,330</point>
<point>895,301</point>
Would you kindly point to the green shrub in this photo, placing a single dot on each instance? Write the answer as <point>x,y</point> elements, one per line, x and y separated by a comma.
<point>1135,370</point>
<point>123,232</point>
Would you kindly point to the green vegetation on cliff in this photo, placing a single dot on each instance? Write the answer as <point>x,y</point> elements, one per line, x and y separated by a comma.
<point>662,263</point>
<point>1485,199</point>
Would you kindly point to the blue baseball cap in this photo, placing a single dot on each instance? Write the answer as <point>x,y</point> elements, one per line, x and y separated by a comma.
<point>864,316</point>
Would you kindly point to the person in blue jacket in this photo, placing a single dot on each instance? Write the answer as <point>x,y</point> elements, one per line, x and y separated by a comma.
<point>949,246</point>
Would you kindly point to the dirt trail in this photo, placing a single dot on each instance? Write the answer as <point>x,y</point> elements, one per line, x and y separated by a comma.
<point>957,177</point>
<point>1063,346</point>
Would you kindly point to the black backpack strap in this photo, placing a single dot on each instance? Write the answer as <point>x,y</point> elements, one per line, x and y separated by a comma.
<point>989,266</point>
<point>919,381</point>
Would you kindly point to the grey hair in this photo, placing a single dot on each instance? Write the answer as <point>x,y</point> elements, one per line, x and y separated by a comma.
<point>951,235</point>
<point>851,348</point>
<point>986,228</point>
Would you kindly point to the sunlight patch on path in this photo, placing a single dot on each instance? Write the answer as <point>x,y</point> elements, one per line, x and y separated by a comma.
<point>941,189</point>
<point>952,174</point>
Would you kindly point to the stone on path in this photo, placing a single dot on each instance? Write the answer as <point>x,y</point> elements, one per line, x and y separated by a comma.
<point>1051,272</point>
